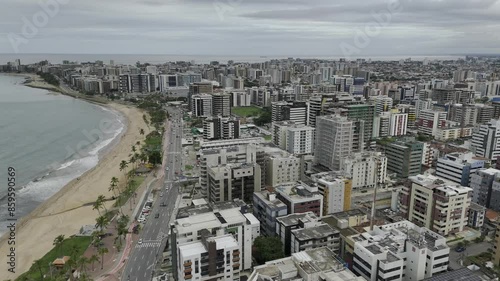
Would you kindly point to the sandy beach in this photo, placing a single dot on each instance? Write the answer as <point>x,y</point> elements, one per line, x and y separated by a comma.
<point>69,209</point>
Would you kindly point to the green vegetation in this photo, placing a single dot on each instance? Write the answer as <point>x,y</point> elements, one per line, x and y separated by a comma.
<point>49,78</point>
<point>188,167</point>
<point>264,117</point>
<point>134,183</point>
<point>73,247</point>
<point>268,138</point>
<point>424,138</point>
<point>249,84</point>
<point>267,249</point>
<point>247,111</point>
<point>385,141</point>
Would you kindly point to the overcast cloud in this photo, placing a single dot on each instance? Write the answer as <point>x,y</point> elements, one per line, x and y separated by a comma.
<point>253,27</point>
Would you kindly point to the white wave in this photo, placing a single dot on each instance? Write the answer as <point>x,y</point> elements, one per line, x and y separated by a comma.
<point>66,165</point>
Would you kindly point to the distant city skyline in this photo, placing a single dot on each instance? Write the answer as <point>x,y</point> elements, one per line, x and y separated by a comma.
<point>235,27</point>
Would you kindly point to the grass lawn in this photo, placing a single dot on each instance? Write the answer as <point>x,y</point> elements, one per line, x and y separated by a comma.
<point>247,111</point>
<point>74,246</point>
<point>123,198</point>
<point>268,138</point>
<point>188,167</point>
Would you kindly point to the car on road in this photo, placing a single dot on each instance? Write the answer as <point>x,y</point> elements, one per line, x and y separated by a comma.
<point>157,215</point>
<point>161,194</point>
<point>141,219</point>
<point>163,204</point>
<point>459,249</point>
<point>140,241</point>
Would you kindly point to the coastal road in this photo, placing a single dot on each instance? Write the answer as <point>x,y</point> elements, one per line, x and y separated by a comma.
<point>143,257</point>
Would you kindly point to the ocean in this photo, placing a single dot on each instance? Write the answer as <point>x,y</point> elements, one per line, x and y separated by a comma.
<point>50,139</point>
<point>198,59</point>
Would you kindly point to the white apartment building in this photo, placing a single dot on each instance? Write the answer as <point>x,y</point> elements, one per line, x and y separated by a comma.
<point>365,169</point>
<point>437,204</point>
<point>240,98</point>
<point>218,220</point>
<point>429,121</point>
<point>296,139</point>
<point>486,140</point>
<point>400,251</point>
<point>282,167</point>
<point>336,192</point>
<point>458,167</point>
<point>398,124</point>
<point>300,139</point>
<point>213,258</point>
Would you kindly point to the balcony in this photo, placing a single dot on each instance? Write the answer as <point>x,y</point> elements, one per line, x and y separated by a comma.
<point>236,265</point>
<point>236,259</point>
<point>187,277</point>
<point>236,253</point>
<point>188,263</point>
<point>187,270</point>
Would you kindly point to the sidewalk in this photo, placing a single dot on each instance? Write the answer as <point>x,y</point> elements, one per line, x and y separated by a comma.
<point>114,259</point>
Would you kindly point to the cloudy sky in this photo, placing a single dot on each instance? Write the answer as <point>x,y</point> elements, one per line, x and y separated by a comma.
<point>252,27</point>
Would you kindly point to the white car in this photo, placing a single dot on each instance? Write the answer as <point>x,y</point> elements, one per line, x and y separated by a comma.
<point>139,242</point>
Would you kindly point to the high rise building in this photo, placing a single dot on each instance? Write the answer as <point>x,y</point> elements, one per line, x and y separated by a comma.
<point>296,139</point>
<point>230,181</point>
<point>400,251</point>
<point>198,88</point>
<point>201,105</point>
<point>486,140</point>
<point>365,169</point>
<point>195,230</point>
<point>136,83</point>
<point>221,128</point>
<point>404,157</point>
<point>336,139</point>
<point>281,167</point>
<point>429,121</point>
<point>398,124</point>
<point>286,111</point>
<point>382,104</point>
<point>266,208</point>
<point>365,113</point>
<point>458,167</point>
<point>426,202</point>
<point>485,184</point>
<point>221,104</point>
<point>336,191</point>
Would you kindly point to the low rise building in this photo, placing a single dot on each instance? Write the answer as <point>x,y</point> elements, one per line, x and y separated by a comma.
<point>286,224</point>
<point>300,198</point>
<point>307,238</point>
<point>476,215</point>
<point>400,251</point>
<point>311,265</point>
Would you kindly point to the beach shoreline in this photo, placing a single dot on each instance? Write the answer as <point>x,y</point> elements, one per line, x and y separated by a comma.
<point>70,208</point>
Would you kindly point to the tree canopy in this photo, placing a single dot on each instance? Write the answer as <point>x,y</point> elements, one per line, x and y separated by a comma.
<point>267,249</point>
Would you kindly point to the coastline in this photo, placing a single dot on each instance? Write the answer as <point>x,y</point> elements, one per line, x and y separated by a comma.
<point>70,208</point>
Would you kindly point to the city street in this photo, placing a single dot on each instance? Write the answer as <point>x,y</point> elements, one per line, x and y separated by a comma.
<point>144,256</point>
<point>472,250</point>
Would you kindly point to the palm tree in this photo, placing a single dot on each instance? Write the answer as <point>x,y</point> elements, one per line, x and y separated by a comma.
<point>137,143</point>
<point>113,185</point>
<point>38,264</point>
<point>98,204</point>
<point>133,148</point>
<point>102,222</point>
<point>123,166</point>
<point>102,251</point>
<point>58,242</point>
<point>93,259</point>
<point>82,263</point>
<point>141,132</point>
<point>102,199</point>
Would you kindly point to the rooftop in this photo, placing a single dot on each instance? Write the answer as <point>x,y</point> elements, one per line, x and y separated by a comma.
<point>315,232</point>
<point>293,219</point>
